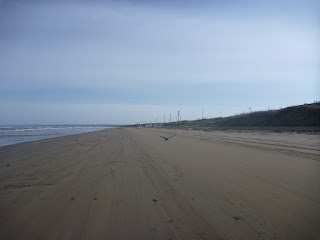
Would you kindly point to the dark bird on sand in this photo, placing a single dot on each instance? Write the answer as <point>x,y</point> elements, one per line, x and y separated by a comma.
<point>166,138</point>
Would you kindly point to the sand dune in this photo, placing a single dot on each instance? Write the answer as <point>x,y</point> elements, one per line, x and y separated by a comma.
<point>134,184</point>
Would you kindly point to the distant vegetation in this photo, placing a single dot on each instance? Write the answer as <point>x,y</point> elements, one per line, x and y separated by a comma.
<point>307,115</point>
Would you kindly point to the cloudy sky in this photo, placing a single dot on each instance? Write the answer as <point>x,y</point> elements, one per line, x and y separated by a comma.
<point>129,61</point>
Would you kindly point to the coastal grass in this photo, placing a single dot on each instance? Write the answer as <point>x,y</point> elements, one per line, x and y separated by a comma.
<point>307,115</point>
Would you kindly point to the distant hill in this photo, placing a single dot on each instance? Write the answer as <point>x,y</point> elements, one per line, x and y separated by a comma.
<point>307,115</point>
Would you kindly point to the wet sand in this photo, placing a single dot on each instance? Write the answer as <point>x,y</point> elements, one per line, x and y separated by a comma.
<point>134,184</point>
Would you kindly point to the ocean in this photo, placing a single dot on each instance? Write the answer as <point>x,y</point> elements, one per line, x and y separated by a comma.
<point>17,134</point>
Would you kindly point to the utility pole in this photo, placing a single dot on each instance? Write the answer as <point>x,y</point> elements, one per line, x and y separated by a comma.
<point>179,120</point>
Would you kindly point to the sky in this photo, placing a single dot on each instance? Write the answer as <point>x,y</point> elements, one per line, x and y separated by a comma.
<point>122,62</point>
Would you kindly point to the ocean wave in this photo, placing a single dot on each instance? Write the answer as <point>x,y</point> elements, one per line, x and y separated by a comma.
<point>17,134</point>
<point>41,128</point>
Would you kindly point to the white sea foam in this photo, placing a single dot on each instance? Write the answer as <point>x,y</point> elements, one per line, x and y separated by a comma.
<point>17,134</point>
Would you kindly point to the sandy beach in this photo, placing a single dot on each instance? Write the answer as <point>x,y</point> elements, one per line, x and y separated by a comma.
<point>131,183</point>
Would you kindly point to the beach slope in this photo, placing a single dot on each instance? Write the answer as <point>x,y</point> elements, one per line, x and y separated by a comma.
<point>162,184</point>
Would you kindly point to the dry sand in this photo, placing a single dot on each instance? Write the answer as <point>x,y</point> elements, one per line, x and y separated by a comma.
<point>132,184</point>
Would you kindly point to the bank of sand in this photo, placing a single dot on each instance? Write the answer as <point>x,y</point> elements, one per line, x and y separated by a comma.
<point>132,184</point>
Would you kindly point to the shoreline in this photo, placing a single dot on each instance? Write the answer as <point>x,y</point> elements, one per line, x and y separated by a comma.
<point>199,130</point>
<point>36,140</point>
